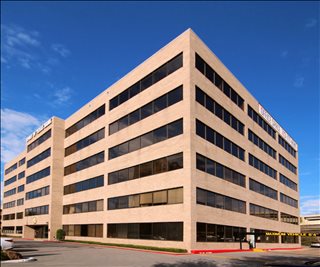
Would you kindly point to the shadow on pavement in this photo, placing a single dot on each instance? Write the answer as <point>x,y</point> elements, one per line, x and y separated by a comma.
<point>187,264</point>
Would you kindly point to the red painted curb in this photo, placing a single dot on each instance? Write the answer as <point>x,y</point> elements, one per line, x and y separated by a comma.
<point>204,251</point>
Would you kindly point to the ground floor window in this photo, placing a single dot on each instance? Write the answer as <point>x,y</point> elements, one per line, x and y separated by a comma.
<point>8,229</point>
<point>19,229</point>
<point>290,239</point>
<point>155,231</point>
<point>261,236</point>
<point>91,230</point>
<point>207,232</point>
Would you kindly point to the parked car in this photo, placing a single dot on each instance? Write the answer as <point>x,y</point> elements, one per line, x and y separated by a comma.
<point>6,243</point>
<point>315,245</point>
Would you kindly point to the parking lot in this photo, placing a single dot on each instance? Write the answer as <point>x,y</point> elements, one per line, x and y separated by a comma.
<point>74,254</point>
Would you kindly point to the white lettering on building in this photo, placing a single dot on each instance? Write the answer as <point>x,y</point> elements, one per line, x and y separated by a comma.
<point>277,127</point>
<point>46,124</point>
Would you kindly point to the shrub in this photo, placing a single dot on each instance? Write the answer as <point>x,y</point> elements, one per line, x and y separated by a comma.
<point>60,235</point>
<point>4,256</point>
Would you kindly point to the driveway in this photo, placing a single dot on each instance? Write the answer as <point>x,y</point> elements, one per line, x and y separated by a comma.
<point>75,254</point>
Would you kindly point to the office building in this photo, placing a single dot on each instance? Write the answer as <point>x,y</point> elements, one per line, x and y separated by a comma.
<point>177,153</point>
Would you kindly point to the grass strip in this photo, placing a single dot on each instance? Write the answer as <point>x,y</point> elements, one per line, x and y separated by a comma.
<point>175,250</point>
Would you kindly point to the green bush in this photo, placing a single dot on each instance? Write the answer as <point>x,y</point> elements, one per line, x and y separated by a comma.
<point>4,256</point>
<point>60,235</point>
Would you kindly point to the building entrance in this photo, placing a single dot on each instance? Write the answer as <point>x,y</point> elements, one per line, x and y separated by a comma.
<point>40,231</point>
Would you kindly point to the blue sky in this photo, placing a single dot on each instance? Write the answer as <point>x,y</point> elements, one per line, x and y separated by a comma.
<point>56,56</point>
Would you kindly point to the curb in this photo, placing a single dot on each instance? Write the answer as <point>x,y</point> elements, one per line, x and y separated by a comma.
<point>239,250</point>
<point>21,260</point>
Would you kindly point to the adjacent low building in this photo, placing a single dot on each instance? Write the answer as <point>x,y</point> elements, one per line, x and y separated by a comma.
<point>175,154</point>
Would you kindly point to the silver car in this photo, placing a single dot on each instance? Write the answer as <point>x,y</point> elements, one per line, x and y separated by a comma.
<point>6,243</point>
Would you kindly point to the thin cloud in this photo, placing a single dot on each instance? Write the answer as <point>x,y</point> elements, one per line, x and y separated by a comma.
<point>15,127</point>
<point>311,23</point>
<point>62,96</point>
<point>61,50</point>
<point>310,205</point>
<point>298,82</point>
<point>22,47</point>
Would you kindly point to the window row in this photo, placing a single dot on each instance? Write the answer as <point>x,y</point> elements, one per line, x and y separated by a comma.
<point>261,237</point>
<point>261,166</point>
<point>218,110</point>
<point>216,79</point>
<point>286,181</point>
<point>287,218</point>
<point>290,239</point>
<point>165,164</point>
<point>151,231</point>
<point>262,123</point>
<point>286,146</point>
<point>91,230</point>
<point>10,181</point>
<point>43,155</point>
<point>86,120</point>
<point>10,192</point>
<point>10,204</point>
<point>38,192</point>
<point>219,140</point>
<point>215,200</point>
<point>288,200</point>
<point>207,232</point>
<point>87,141</point>
<point>84,164</point>
<point>20,188</point>
<point>21,175</point>
<point>262,189</point>
<point>40,140</point>
<point>263,212</point>
<point>84,185</point>
<point>8,229</point>
<point>20,201</point>
<point>11,168</point>
<point>38,175</point>
<point>214,168</point>
<point>37,211</point>
<point>287,164</point>
<point>160,134</point>
<point>163,197</point>
<point>22,162</point>
<point>147,110</point>
<point>261,144</point>
<point>152,78</point>
<point>90,206</point>
<point>8,217</point>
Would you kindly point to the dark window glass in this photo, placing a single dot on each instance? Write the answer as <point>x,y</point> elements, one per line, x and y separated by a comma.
<point>123,97</point>
<point>38,141</point>
<point>134,90</point>
<point>175,128</point>
<point>38,175</point>
<point>160,134</point>
<point>160,73</point>
<point>39,158</point>
<point>134,117</point>
<point>123,122</point>
<point>86,120</point>
<point>85,163</point>
<point>175,96</point>
<point>146,169</point>
<point>146,110</point>
<point>84,185</point>
<point>160,103</point>
<point>175,162</point>
<point>146,82</point>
